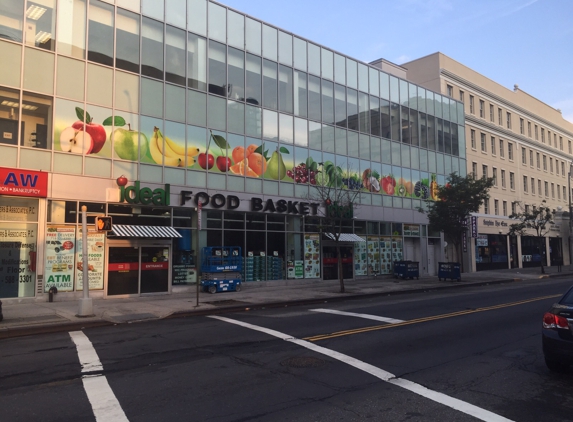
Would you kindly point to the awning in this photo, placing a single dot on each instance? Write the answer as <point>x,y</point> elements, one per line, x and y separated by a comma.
<point>346,237</point>
<point>127,230</point>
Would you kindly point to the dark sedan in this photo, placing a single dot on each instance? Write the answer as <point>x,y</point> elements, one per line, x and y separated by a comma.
<point>557,337</point>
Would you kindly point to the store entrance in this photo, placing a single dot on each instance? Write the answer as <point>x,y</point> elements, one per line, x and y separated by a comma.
<point>138,269</point>
<point>330,262</point>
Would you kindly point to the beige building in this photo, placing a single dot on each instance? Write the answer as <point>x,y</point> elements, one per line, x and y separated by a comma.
<point>525,144</point>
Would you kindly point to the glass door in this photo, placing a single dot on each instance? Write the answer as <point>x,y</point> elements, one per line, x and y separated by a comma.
<point>154,269</point>
<point>123,271</point>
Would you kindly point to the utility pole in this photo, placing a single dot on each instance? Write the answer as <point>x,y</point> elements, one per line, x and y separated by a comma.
<point>86,305</point>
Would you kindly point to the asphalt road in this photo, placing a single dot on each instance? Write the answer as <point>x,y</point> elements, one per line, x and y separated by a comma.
<point>436,356</point>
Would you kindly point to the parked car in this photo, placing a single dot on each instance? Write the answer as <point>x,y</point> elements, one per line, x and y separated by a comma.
<point>556,334</point>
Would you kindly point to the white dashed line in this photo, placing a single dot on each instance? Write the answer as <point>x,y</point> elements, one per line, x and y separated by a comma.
<point>441,398</point>
<point>365,316</point>
<point>105,405</point>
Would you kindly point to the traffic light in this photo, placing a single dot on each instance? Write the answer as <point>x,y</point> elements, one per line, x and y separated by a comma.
<point>103,223</point>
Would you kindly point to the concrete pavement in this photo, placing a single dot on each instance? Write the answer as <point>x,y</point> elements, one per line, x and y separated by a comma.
<point>29,316</point>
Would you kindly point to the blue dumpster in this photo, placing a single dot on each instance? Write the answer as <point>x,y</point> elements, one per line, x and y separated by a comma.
<point>449,270</point>
<point>406,269</point>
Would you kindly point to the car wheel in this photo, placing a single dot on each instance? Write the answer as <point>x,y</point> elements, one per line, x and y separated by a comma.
<point>212,289</point>
<point>555,366</point>
<point>238,288</point>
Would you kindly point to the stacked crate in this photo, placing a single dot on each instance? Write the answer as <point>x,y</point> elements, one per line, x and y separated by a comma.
<point>259,268</point>
<point>248,265</point>
<point>275,268</point>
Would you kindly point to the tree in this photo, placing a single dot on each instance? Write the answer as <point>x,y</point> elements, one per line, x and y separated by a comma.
<point>460,197</point>
<point>339,203</point>
<point>537,219</point>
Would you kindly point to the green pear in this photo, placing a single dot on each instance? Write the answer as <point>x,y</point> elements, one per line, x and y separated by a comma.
<point>126,144</point>
<point>276,168</point>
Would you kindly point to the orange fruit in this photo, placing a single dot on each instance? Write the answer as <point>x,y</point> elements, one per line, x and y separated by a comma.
<point>239,168</point>
<point>250,149</point>
<point>257,163</point>
<point>238,154</point>
<point>251,173</point>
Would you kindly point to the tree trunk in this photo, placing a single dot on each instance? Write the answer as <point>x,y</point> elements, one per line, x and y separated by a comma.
<point>542,255</point>
<point>340,273</point>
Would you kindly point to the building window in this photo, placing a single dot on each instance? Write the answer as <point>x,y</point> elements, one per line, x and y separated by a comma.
<point>538,162</point>
<point>504,206</point>
<point>499,119</point>
<point>539,187</point>
<point>496,207</point>
<point>557,167</point>
<point>562,168</point>
<point>521,126</point>
<point>491,117</point>
<point>510,150</point>
<point>483,147</point>
<point>561,143</point>
<point>450,91</point>
<point>484,170</point>
<point>529,129</point>
<point>472,104</point>
<point>523,155</point>
<point>569,142</point>
<point>475,169</point>
<point>547,189</point>
<point>536,134</point>
<point>503,179</point>
<point>508,115</point>
<point>564,193</point>
<point>513,208</point>
<point>511,180</point>
<point>549,137</point>
<point>544,163</point>
<point>531,158</point>
<point>554,139</point>
<point>481,109</point>
<point>551,164</point>
<point>493,145</point>
<point>461,96</point>
<point>553,190</point>
<point>501,150</point>
<point>486,206</point>
<point>542,135</point>
<point>558,192</point>
<point>473,138</point>
<point>532,186</point>
<point>525,183</point>
<point>494,175</point>
<point>527,208</point>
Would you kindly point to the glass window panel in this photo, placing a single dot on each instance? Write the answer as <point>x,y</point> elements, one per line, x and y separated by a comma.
<point>300,94</point>
<point>375,115</point>
<point>286,128</point>
<point>395,121</point>
<point>153,8</point>
<point>414,127</point>
<point>423,159</point>
<point>374,81</point>
<point>403,93</point>
<point>196,62</point>
<point>385,126</point>
<point>440,128</point>
<point>151,48</point>
<point>351,73</point>
<point>339,69</point>
<point>455,140</point>
<point>364,146</point>
<point>413,96</point>
<point>71,38</point>
<point>127,41</point>
<point>100,85</point>
<point>12,20</point>
<point>217,68</point>
<point>405,156</point>
<point>36,122</point>
<point>38,64</point>
<point>236,88</point>
<point>375,150</point>
<point>253,121</point>
<point>175,55</point>
<point>253,36</point>
<point>176,12</point>
<point>236,117</point>
<point>327,64</point>
<point>300,54</point>
<point>270,125</point>
<point>175,106</point>
<point>384,86</point>
<point>327,102</point>
<point>300,132</point>
<point>396,154</point>
<point>285,48</point>
<point>151,97</point>
<point>176,134</point>
<point>340,141</point>
<point>363,112</point>
<point>314,59</point>
<point>394,89</point>
<point>217,22</point>
<point>340,105</point>
<point>40,27</point>
<point>270,90</point>
<point>285,89</point>
<point>430,103</point>
<point>362,77</point>
<point>447,140</point>
<point>197,16</point>
<point>70,82</point>
<point>253,91</point>
<point>386,151</point>
<point>216,113</point>
<point>328,142</point>
<point>352,109</point>
<point>100,41</point>
<point>270,41</point>
<point>423,130</point>
<point>236,23</point>
<point>196,108</point>
<point>134,5</point>
<point>431,132</point>
<point>314,135</point>
<point>314,98</point>
<point>421,99</point>
<point>353,144</point>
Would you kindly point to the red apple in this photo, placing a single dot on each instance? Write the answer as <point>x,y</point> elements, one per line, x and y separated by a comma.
<point>223,163</point>
<point>96,131</point>
<point>121,180</point>
<point>206,160</point>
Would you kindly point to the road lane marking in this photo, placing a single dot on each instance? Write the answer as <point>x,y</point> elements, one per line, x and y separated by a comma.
<point>462,406</point>
<point>104,404</point>
<point>425,319</point>
<point>353,314</point>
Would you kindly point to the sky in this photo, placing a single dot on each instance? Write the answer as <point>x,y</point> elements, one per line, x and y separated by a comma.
<point>524,42</point>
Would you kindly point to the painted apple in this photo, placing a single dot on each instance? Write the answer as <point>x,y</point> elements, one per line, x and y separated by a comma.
<point>206,160</point>
<point>121,180</point>
<point>96,131</point>
<point>128,143</point>
<point>223,163</point>
<point>76,141</point>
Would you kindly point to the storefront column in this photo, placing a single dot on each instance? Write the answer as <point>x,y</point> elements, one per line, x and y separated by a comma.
<point>547,254</point>
<point>508,246</point>
<point>519,258</point>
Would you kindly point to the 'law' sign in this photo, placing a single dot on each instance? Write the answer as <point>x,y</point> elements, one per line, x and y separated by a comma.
<point>23,182</point>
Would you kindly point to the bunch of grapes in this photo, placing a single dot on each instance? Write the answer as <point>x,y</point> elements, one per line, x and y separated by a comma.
<point>300,174</point>
<point>352,184</point>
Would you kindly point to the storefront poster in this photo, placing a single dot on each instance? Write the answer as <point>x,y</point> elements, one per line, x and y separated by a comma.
<point>311,256</point>
<point>360,261</point>
<point>373,255</point>
<point>385,255</point>
<point>295,269</point>
<point>184,274</point>
<point>96,258</point>
<point>59,262</point>
<point>18,259</point>
<point>481,240</point>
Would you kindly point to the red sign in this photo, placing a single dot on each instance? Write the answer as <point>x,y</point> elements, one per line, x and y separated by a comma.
<point>23,182</point>
<point>123,266</point>
<point>154,266</point>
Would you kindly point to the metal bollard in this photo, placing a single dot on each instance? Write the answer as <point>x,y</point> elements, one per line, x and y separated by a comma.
<point>53,290</point>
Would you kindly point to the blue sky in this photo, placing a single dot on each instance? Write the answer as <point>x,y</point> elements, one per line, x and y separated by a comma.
<point>524,42</point>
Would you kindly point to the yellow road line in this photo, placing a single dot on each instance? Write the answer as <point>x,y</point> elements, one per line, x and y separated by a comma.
<point>425,319</point>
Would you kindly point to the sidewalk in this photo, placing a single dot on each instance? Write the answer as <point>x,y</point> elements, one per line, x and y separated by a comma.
<point>30,316</point>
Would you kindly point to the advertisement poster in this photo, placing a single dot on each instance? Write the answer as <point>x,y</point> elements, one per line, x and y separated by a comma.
<point>18,259</point>
<point>386,255</point>
<point>373,255</point>
<point>184,274</point>
<point>360,258</point>
<point>96,252</point>
<point>295,269</point>
<point>60,249</point>
<point>311,256</point>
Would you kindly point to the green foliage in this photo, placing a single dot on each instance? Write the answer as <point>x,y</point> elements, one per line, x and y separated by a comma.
<point>537,219</point>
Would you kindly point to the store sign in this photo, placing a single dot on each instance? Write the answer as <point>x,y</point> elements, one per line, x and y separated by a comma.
<point>137,195</point>
<point>481,240</point>
<point>339,211</point>
<point>488,222</point>
<point>23,182</point>
<point>412,230</point>
<point>474,227</point>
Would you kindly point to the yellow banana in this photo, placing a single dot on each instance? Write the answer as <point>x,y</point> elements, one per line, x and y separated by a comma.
<point>180,149</point>
<point>157,153</point>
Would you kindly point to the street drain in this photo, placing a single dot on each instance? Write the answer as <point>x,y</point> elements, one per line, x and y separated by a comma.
<point>303,362</point>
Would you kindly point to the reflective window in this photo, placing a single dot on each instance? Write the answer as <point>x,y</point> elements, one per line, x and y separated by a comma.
<point>340,105</point>
<point>71,37</point>
<point>127,41</point>
<point>100,40</point>
<point>197,16</point>
<point>10,108</point>
<point>374,115</point>
<point>327,102</point>
<point>254,78</point>
<point>270,125</point>
<point>253,36</point>
<point>314,98</point>
<point>236,90</point>
<point>300,54</point>
<point>352,109</point>
<point>196,108</point>
<point>385,127</point>
<point>362,77</point>
<point>216,112</point>
<point>351,73</point>
<point>374,81</point>
<point>270,90</point>
<point>175,104</point>
<point>41,24</point>
<point>364,113</point>
<point>217,68</point>
<point>314,136</point>
<point>36,121</point>
<point>285,48</point>
<point>236,24</point>
<point>394,90</point>
<point>270,43</point>
<point>395,121</point>
<point>300,94</point>
<point>352,150</point>
<point>328,139</point>
<point>340,142</point>
<point>286,132</point>
<point>217,22</point>
<point>253,121</point>
<point>176,13</point>
<point>236,117</point>
<point>339,69</point>
<point>153,8</point>
<point>152,48</point>
<point>403,92</point>
<point>314,59</point>
<point>196,62</point>
<point>285,89</point>
<point>327,64</point>
<point>175,55</point>
<point>134,5</point>
<point>151,98</point>
<point>11,20</point>
<point>300,132</point>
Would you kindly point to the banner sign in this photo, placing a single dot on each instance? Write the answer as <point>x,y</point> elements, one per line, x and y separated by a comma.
<point>96,249</point>
<point>23,182</point>
<point>60,251</point>
<point>474,226</point>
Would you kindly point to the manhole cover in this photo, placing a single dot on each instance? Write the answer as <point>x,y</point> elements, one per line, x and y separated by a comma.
<point>303,362</point>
